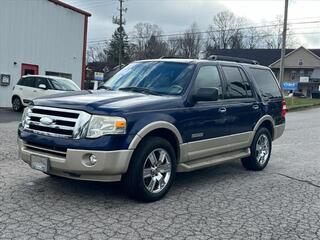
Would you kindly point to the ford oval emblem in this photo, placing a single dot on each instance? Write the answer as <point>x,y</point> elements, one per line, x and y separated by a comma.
<point>46,120</point>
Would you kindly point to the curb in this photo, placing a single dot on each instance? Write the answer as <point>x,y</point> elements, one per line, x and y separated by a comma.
<point>303,107</point>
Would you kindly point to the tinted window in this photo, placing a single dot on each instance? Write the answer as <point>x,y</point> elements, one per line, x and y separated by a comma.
<point>236,86</point>
<point>64,84</point>
<point>161,77</point>
<point>20,81</point>
<point>59,74</point>
<point>43,81</point>
<point>28,82</point>
<point>246,83</point>
<point>208,77</point>
<point>267,84</point>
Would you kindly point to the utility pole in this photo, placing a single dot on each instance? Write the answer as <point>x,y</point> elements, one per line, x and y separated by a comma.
<point>120,21</point>
<point>284,38</point>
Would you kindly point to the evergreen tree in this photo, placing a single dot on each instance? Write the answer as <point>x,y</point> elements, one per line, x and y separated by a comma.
<point>114,48</point>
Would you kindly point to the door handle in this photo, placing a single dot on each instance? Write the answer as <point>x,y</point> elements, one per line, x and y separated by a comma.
<point>255,107</point>
<point>35,91</point>
<point>20,88</point>
<point>222,110</point>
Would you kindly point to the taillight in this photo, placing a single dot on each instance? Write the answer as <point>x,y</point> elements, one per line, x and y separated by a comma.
<point>283,109</point>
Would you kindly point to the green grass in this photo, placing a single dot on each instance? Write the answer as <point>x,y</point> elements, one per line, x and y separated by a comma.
<point>295,103</point>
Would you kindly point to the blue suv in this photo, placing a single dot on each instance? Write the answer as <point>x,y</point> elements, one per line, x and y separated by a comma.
<point>155,118</point>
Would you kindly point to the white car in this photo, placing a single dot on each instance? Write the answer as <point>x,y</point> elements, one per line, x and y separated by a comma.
<point>33,86</point>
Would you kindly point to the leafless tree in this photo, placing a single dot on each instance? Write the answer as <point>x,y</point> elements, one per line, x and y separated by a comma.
<point>156,48</point>
<point>253,38</point>
<point>97,53</point>
<point>92,53</point>
<point>191,42</point>
<point>141,35</point>
<point>273,35</point>
<point>173,46</point>
<point>225,32</point>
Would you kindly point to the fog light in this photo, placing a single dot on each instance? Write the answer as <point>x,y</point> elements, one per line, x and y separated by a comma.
<point>92,159</point>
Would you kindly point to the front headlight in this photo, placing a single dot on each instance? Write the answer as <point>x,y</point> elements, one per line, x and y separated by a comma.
<point>103,125</point>
<point>25,117</point>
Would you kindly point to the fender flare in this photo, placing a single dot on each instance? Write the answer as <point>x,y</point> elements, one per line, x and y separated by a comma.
<point>153,126</point>
<point>260,122</point>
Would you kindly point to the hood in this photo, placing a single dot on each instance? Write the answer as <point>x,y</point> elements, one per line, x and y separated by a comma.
<point>102,101</point>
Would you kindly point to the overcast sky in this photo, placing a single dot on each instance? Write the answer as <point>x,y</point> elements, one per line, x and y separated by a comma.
<point>174,16</point>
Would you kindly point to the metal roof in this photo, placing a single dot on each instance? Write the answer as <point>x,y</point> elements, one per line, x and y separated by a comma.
<point>65,5</point>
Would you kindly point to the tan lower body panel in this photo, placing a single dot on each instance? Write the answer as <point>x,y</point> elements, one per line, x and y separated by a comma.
<point>207,148</point>
<point>72,164</point>
<point>213,160</point>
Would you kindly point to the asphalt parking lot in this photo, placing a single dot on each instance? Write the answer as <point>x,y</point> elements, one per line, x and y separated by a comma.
<point>223,202</point>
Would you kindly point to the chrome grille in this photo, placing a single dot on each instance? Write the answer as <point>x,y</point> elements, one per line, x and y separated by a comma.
<point>56,122</point>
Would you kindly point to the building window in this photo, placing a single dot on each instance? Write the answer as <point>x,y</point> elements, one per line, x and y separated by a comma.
<point>59,74</point>
<point>293,75</point>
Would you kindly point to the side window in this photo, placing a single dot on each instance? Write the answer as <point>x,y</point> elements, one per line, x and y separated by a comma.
<point>42,81</point>
<point>20,82</point>
<point>246,83</point>
<point>28,82</point>
<point>208,77</point>
<point>236,87</point>
<point>266,82</point>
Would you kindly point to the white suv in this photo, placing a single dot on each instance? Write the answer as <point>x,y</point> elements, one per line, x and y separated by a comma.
<point>33,86</point>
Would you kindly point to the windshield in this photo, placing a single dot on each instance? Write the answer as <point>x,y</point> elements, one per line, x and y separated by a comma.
<point>64,85</point>
<point>169,78</point>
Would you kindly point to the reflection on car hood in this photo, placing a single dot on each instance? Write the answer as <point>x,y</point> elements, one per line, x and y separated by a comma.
<point>110,101</point>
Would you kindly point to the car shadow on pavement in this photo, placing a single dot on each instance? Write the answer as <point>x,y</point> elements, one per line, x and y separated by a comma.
<point>77,189</point>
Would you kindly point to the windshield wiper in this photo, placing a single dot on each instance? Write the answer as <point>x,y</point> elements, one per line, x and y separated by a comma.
<point>140,90</point>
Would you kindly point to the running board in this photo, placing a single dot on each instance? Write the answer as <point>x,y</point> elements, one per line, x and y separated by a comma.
<point>214,160</point>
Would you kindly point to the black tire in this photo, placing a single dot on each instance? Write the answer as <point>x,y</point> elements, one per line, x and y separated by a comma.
<point>134,180</point>
<point>252,162</point>
<point>16,104</point>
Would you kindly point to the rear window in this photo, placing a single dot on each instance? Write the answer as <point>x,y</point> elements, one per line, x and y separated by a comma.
<point>266,83</point>
<point>27,82</point>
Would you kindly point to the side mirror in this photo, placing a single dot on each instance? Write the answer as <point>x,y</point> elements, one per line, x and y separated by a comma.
<point>42,86</point>
<point>206,94</point>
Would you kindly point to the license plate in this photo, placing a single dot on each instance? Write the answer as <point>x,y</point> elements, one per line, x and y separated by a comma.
<point>40,163</point>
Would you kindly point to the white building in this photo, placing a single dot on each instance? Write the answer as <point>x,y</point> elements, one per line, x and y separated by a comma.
<point>46,37</point>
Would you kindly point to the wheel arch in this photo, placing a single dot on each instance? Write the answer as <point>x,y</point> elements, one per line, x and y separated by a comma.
<point>14,96</point>
<point>267,122</point>
<point>162,129</point>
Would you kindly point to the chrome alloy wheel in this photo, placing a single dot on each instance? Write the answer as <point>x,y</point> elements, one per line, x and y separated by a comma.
<point>262,149</point>
<point>157,170</point>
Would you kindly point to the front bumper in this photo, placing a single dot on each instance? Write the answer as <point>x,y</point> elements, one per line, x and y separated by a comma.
<point>71,164</point>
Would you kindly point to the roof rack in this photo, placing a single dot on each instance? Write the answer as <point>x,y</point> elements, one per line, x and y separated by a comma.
<point>232,59</point>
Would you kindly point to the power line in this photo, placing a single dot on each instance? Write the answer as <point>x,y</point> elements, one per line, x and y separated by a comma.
<point>245,36</point>
<point>214,31</point>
